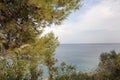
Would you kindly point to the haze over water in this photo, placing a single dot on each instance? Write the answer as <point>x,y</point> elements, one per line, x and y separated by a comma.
<point>84,56</point>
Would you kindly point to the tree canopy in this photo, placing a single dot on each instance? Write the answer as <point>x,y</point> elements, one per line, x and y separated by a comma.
<point>22,47</point>
<point>21,20</point>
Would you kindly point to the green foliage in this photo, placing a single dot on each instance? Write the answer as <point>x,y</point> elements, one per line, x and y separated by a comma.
<point>24,62</point>
<point>68,72</point>
<point>22,48</point>
<point>108,69</point>
<point>21,21</point>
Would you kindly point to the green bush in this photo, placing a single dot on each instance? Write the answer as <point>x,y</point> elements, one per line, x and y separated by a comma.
<point>108,69</point>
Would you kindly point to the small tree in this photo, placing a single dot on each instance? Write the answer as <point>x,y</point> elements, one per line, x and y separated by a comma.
<point>109,67</point>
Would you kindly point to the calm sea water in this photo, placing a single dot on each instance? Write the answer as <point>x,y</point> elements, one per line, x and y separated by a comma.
<point>84,56</point>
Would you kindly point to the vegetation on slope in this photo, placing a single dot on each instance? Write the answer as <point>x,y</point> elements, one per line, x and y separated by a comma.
<point>108,69</point>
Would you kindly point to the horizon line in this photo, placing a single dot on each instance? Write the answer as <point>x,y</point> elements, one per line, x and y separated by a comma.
<point>89,43</point>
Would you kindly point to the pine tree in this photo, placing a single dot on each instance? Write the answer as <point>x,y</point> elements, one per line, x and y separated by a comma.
<point>22,23</point>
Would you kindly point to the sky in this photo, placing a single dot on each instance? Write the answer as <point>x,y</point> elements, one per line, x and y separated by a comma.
<point>97,21</point>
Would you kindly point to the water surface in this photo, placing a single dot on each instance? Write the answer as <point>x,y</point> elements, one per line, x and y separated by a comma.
<point>84,56</point>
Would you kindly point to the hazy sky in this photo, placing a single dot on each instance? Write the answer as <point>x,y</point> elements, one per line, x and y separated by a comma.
<point>97,21</point>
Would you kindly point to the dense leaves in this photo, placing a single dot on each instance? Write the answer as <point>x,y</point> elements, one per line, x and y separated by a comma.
<point>22,20</point>
<point>109,66</point>
<point>108,69</point>
<point>22,46</point>
<point>26,62</point>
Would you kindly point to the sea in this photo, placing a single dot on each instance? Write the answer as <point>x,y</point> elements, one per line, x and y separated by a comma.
<point>84,56</point>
